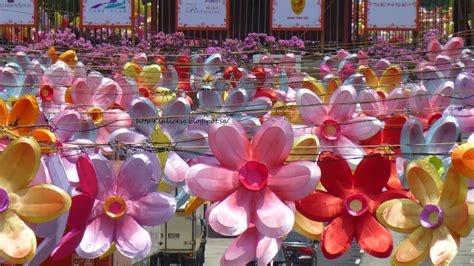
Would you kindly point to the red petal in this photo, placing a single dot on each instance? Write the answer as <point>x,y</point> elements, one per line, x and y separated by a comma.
<point>68,244</point>
<point>392,130</point>
<point>373,238</point>
<point>80,210</point>
<point>87,176</point>
<point>337,237</point>
<point>320,206</point>
<point>336,176</point>
<point>372,174</point>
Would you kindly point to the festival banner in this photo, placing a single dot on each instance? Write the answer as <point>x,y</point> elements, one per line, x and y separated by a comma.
<point>392,15</point>
<point>107,13</point>
<point>297,15</point>
<point>18,12</point>
<point>202,15</point>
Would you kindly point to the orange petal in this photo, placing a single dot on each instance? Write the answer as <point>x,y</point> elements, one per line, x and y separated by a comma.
<point>424,182</point>
<point>414,249</point>
<point>454,190</point>
<point>463,159</point>
<point>401,215</point>
<point>24,113</point>
<point>18,240</point>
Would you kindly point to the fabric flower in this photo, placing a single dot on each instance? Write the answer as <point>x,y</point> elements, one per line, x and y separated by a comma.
<point>350,203</point>
<point>123,206</point>
<point>20,203</point>
<point>435,223</point>
<point>336,127</point>
<point>252,184</point>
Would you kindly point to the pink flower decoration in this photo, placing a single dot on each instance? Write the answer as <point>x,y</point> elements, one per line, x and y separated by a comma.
<point>122,207</point>
<point>252,183</point>
<point>336,126</point>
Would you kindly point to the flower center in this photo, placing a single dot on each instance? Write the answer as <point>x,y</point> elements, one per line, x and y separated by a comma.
<point>96,114</point>
<point>208,78</point>
<point>46,93</point>
<point>253,175</point>
<point>68,95</point>
<point>4,200</point>
<point>330,129</point>
<point>431,216</point>
<point>144,92</point>
<point>356,204</point>
<point>381,94</point>
<point>433,118</point>
<point>115,207</point>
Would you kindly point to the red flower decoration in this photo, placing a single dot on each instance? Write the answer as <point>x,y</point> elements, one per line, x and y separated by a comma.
<point>350,203</point>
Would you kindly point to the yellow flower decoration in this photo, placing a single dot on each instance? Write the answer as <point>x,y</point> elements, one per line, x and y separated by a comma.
<point>435,223</point>
<point>19,203</point>
<point>390,79</point>
<point>17,122</point>
<point>70,58</point>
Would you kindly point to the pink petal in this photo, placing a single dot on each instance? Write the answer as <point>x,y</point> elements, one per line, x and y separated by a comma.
<point>129,90</point>
<point>361,128</point>
<point>311,107</point>
<point>294,181</point>
<point>229,144</point>
<point>68,244</point>
<point>343,103</point>
<point>106,94</point>
<point>274,218</point>
<point>242,250</point>
<point>442,97</point>
<point>370,102</point>
<point>350,151</point>
<point>116,119</point>
<point>97,238</point>
<point>211,182</point>
<point>87,176</point>
<point>132,240</point>
<point>434,48</point>
<point>175,169</point>
<point>66,124</point>
<point>267,248</point>
<point>177,109</point>
<point>134,177</point>
<point>154,209</point>
<point>272,143</point>
<point>105,176</point>
<point>81,93</point>
<point>126,136</point>
<point>231,216</point>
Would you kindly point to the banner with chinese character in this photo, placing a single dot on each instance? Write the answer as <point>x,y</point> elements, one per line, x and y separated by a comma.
<point>202,15</point>
<point>297,14</point>
<point>107,13</point>
<point>392,15</point>
<point>17,12</point>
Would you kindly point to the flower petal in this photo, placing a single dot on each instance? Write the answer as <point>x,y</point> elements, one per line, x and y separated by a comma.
<point>24,112</point>
<point>177,109</point>
<point>105,176</point>
<point>106,94</point>
<point>231,216</point>
<point>40,204</point>
<point>295,180</point>
<point>19,163</point>
<point>87,176</point>
<point>320,206</point>
<point>370,102</point>
<point>350,151</point>
<point>424,182</point>
<point>21,239</point>
<point>401,215</point>
<point>361,128</point>
<point>372,174</point>
<point>456,218</point>
<point>343,103</point>
<point>272,142</point>
<point>175,170</point>
<point>308,228</point>
<point>81,93</point>
<point>211,182</point>
<point>337,237</point>
<point>454,190</point>
<point>443,135</point>
<point>97,238</point>
<point>412,140</point>
<point>311,107</point>
<point>372,237</point>
<point>68,244</point>
<point>66,124</point>
<point>154,209</point>
<point>132,240</point>
<point>242,250</point>
<point>267,248</point>
<point>336,176</point>
<point>444,246</point>
<point>229,144</point>
<point>414,249</point>
<point>134,177</point>
<point>274,218</point>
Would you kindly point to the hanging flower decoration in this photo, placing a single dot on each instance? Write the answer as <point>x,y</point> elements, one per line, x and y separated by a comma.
<point>436,222</point>
<point>22,203</point>
<point>389,80</point>
<point>252,185</point>
<point>349,204</point>
<point>123,206</point>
